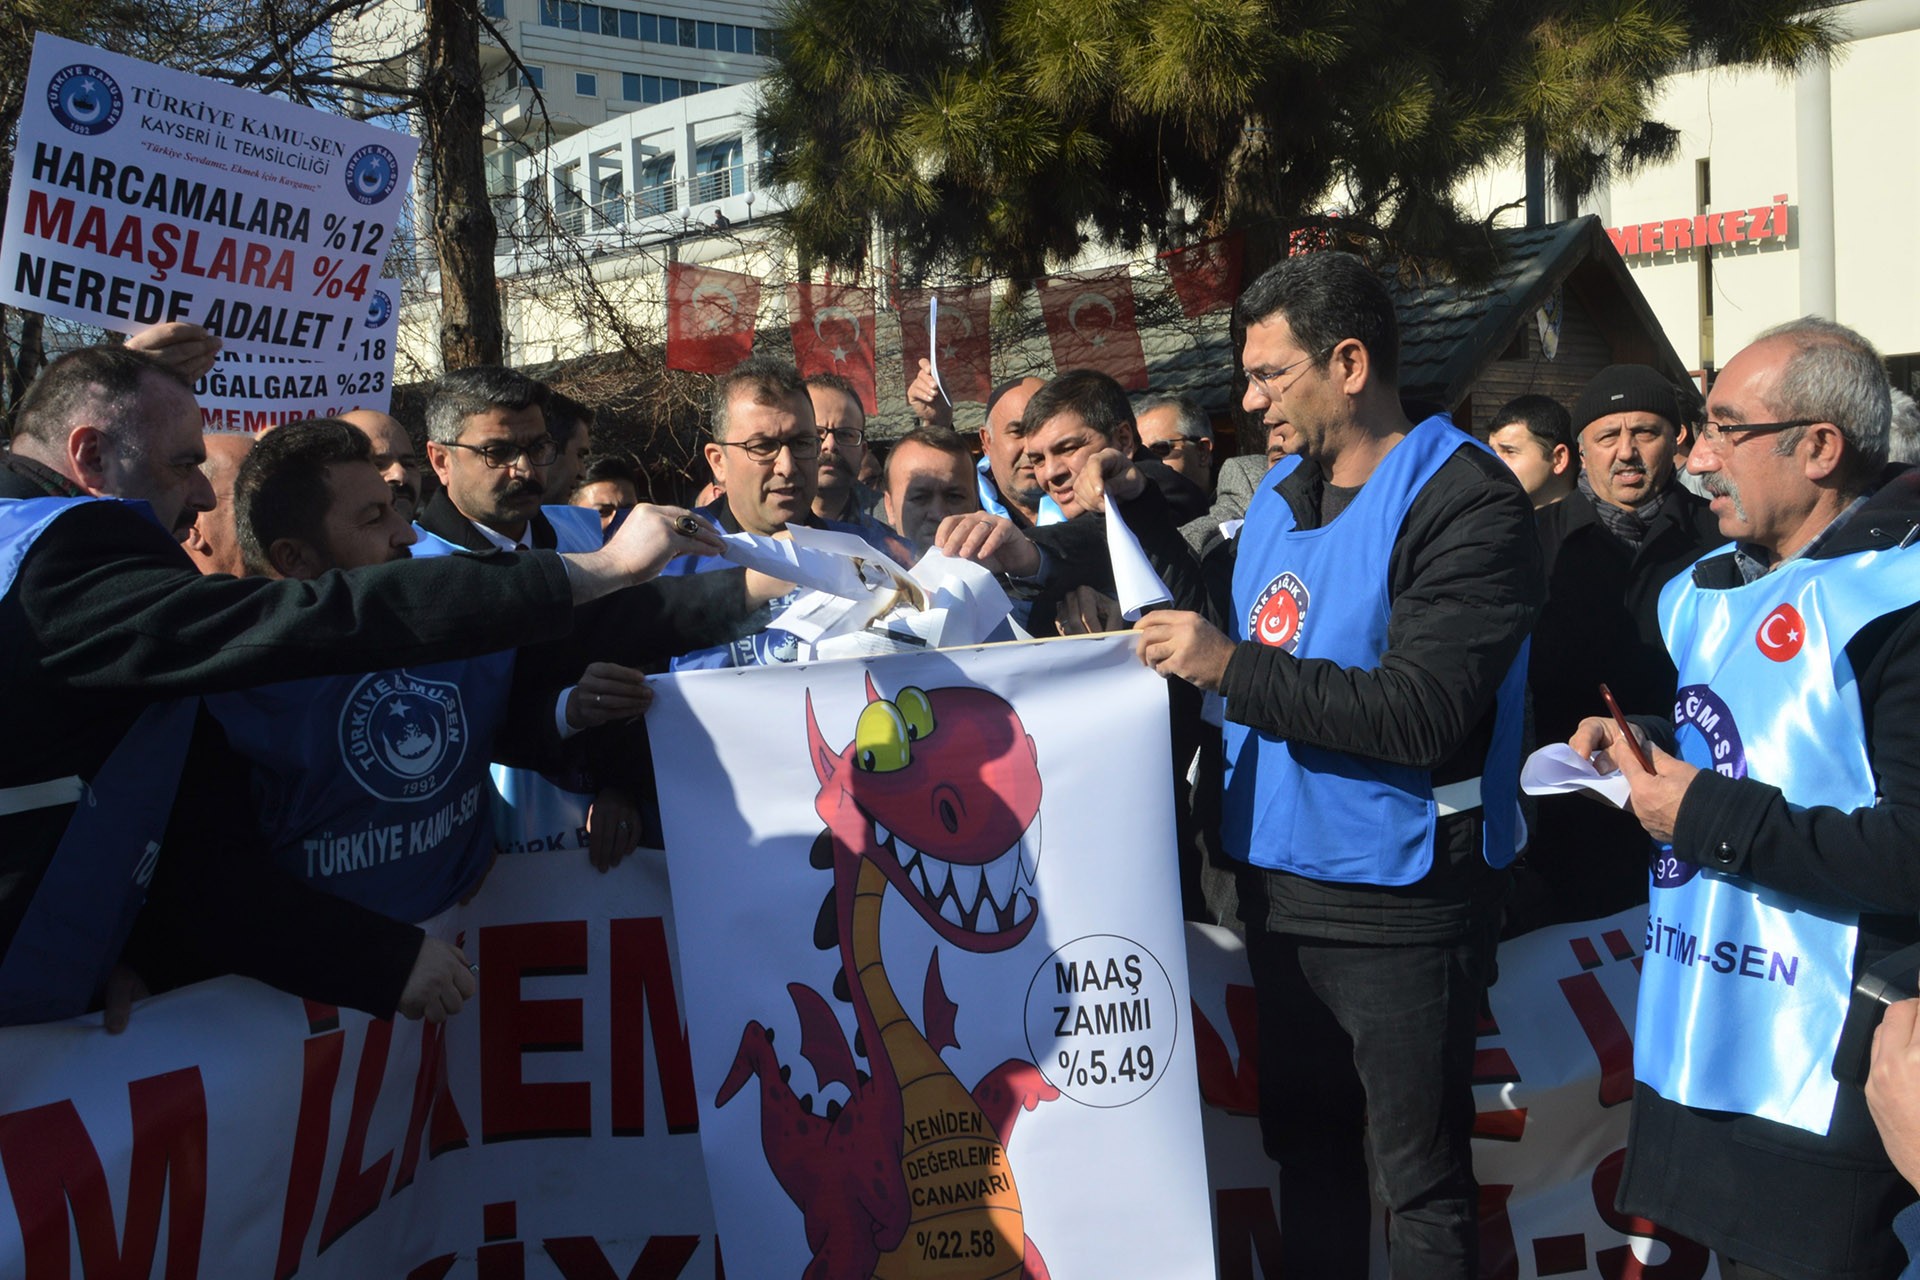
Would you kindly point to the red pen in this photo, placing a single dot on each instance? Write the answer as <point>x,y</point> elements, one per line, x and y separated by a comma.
<point>1633,743</point>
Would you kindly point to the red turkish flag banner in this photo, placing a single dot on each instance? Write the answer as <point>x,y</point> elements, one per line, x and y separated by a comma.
<point>966,348</point>
<point>833,333</point>
<point>710,318</point>
<point>1206,276</point>
<point>1091,324</point>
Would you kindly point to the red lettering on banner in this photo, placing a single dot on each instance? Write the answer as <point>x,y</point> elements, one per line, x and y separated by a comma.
<point>642,982</point>
<point>1247,1226</point>
<point>1685,1259</point>
<point>1499,1257</point>
<point>1650,237</point>
<point>318,1075</point>
<point>1625,239</point>
<point>1679,233</point>
<point>431,1098</point>
<point>511,1025</point>
<point>1780,216</point>
<point>580,1258</point>
<point>434,1268</point>
<point>1232,1088</point>
<point>503,1257</point>
<point>51,1163</point>
<point>1612,1042</point>
<point>49,221</point>
<point>356,1189</point>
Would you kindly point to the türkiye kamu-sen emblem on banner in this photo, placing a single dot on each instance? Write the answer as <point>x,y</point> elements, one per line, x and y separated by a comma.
<point>1279,613</point>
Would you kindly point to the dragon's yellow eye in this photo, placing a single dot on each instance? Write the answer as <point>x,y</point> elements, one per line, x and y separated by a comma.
<point>917,711</point>
<point>881,740</point>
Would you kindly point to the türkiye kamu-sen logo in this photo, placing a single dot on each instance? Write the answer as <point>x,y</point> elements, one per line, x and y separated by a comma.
<point>85,99</point>
<point>1279,613</point>
<point>1709,739</point>
<point>372,173</point>
<point>380,310</point>
<point>403,737</point>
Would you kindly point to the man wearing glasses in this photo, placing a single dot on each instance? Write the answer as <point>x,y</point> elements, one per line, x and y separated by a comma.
<point>1785,779</point>
<point>487,440</point>
<point>842,424</point>
<point>1175,430</point>
<point>765,455</point>
<point>1373,672</point>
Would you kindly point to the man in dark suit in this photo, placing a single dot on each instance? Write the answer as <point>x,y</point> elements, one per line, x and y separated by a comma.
<point>1608,547</point>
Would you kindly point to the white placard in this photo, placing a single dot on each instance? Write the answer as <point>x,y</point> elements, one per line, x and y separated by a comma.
<point>142,194</point>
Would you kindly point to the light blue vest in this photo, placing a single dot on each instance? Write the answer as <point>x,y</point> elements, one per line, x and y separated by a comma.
<point>1743,989</point>
<point>85,904</point>
<point>533,813</point>
<point>1046,513</point>
<point>1323,593</point>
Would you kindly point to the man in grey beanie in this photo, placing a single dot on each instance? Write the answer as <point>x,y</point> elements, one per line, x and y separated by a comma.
<point>1608,548</point>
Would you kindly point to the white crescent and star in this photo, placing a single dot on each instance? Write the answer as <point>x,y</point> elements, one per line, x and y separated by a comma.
<point>1091,299</point>
<point>723,305</point>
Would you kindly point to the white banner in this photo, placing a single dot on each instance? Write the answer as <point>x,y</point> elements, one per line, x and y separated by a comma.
<point>142,194</point>
<point>945,1033</point>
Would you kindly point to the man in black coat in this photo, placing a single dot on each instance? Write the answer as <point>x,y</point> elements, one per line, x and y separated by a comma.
<point>1608,548</point>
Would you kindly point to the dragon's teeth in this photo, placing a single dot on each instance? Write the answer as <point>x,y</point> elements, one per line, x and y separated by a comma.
<point>880,834</point>
<point>949,912</point>
<point>1000,874</point>
<point>966,883</point>
<point>936,874</point>
<point>904,853</point>
<point>1022,906</point>
<point>1030,853</point>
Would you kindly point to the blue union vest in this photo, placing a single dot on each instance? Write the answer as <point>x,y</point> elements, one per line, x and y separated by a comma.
<point>1323,593</point>
<point>532,812</point>
<point>374,787</point>
<point>85,904</point>
<point>1743,989</point>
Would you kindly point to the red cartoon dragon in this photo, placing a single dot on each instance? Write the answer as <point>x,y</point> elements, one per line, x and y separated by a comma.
<point>937,797</point>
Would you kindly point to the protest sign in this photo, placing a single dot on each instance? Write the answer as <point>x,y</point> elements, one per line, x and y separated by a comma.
<point>249,394</point>
<point>142,194</point>
<point>954,1045</point>
<point>553,1132</point>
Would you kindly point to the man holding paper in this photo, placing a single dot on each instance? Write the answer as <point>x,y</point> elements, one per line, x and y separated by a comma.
<point>1787,787</point>
<point>1373,668</point>
<point>765,454</point>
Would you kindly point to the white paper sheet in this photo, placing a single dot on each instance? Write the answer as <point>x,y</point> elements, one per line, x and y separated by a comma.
<point>1136,585</point>
<point>1556,769</point>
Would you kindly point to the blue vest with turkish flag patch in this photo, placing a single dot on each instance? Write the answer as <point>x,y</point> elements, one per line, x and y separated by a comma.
<point>1743,990</point>
<point>1324,593</point>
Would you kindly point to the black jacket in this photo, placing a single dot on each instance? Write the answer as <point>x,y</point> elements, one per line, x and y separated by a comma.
<point>108,615</point>
<point>1465,582</point>
<point>1600,624</point>
<point>1802,1206</point>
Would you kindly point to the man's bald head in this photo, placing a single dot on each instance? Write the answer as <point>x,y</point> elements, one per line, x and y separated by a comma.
<point>393,456</point>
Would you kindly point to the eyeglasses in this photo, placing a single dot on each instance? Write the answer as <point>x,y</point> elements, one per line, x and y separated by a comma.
<point>1165,448</point>
<point>763,450</point>
<point>503,453</point>
<point>1264,380</point>
<point>844,435</point>
<point>1716,432</point>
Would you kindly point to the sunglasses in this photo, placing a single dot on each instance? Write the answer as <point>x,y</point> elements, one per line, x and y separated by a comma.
<point>1165,448</point>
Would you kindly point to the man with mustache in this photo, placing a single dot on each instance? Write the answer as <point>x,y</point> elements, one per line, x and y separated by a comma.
<point>487,440</point>
<point>1608,548</point>
<point>1784,780</point>
<point>393,455</point>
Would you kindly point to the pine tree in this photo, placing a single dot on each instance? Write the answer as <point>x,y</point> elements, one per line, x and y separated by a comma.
<point>999,136</point>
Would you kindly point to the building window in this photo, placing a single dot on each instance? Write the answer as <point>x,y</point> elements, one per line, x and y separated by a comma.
<point>569,206</point>
<point>718,171</point>
<point>569,15</point>
<point>629,25</point>
<point>609,204</point>
<point>534,76</point>
<point>590,19</point>
<point>549,13</point>
<point>494,8</point>
<point>689,37</point>
<point>763,42</point>
<point>656,186</point>
<point>630,87</point>
<point>610,22</point>
<point>706,34</point>
<point>723,37</point>
<point>649,28</point>
<point>587,86</point>
<point>669,89</point>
